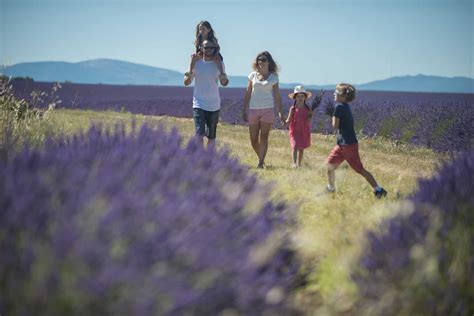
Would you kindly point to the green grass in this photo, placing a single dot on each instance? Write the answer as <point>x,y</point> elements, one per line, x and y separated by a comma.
<point>331,226</point>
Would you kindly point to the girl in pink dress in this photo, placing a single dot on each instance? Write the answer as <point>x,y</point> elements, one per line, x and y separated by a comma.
<point>299,120</point>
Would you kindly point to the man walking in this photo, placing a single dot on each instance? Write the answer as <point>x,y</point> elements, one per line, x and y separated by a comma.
<point>206,98</point>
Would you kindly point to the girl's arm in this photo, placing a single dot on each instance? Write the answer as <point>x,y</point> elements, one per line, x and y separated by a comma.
<point>277,96</point>
<point>248,93</point>
<point>290,115</point>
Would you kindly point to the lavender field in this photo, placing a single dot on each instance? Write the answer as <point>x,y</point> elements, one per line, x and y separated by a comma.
<point>444,122</point>
<point>135,219</point>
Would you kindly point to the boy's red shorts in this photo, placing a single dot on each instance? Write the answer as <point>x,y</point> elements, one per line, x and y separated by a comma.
<point>350,153</point>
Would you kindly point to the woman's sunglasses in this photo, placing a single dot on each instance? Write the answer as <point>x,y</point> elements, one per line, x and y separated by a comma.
<point>263,60</point>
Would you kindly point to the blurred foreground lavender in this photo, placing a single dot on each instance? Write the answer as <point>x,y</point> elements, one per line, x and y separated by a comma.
<point>442,121</point>
<point>422,261</point>
<point>109,223</point>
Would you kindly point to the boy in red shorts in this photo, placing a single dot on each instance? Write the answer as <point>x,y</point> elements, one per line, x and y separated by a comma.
<point>347,147</point>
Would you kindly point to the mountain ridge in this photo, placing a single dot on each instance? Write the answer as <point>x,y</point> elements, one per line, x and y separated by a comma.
<point>111,71</point>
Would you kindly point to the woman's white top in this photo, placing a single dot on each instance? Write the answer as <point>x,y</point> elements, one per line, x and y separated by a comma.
<point>262,91</point>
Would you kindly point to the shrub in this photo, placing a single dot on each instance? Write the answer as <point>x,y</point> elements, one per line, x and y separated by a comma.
<point>422,261</point>
<point>109,223</point>
<point>24,121</point>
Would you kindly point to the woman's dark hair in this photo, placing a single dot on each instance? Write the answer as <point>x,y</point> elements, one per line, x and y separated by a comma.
<point>210,36</point>
<point>272,66</point>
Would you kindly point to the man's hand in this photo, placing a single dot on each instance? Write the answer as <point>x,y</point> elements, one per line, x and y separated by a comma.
<point>195,57</point>
<point>223,79</point>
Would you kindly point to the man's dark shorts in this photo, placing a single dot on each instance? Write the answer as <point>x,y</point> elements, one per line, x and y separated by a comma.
<point>206,122</point>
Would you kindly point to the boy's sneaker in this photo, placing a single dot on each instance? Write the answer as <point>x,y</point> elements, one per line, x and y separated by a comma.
<point>380,193</point>
<point>330,189</point>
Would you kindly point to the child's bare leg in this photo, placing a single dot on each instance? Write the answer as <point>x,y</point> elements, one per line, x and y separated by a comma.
<point>370,178</point>
<point>300,156</point>
<point>331,172</point>
<point>295,152</point>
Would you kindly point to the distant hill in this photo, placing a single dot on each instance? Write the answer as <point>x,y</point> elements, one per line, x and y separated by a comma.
<point>106,71</point>
<point>109,71</point>
<point>422,83</point>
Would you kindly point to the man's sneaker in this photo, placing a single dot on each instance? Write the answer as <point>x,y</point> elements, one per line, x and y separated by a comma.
<point>380,193</point>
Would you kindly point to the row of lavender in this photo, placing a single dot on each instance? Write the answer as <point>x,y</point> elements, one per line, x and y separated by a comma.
<point>443,122</point>
<point>421,261</point>
<point>115,223</point>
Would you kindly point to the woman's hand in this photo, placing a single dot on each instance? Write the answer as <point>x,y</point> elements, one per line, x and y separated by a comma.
<point>282,118</point>
<point>245,115</point>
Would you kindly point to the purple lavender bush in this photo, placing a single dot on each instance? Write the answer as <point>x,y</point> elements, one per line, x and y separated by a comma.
<point>115,223</point>
<point>422,262</point>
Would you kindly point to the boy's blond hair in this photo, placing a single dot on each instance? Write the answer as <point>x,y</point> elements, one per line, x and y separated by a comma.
<point>347,91</point>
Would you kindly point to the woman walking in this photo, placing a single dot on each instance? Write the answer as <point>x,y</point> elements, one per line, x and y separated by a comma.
<point>262,96</point>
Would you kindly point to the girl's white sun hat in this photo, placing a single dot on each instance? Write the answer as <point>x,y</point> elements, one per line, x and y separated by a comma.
<point>300,89</point>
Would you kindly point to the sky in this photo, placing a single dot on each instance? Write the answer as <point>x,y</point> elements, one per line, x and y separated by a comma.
<point>313,42</point>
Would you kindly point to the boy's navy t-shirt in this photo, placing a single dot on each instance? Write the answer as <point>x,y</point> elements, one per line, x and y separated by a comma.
<point>345,133</point>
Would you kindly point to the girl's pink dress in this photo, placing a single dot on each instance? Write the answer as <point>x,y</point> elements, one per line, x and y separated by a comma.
<point>300,128</point>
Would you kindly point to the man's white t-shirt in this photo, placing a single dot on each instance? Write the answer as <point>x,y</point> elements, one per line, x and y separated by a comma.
<point>206,89</point>
<point>262,91</point>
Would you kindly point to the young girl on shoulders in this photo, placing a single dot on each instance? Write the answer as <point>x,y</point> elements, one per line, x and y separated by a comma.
<point>299,120</point>
<point>204,32</point>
